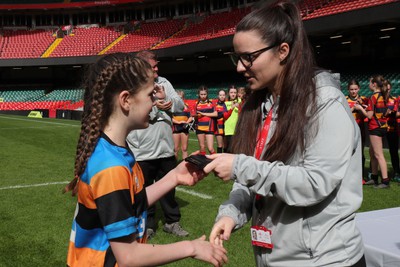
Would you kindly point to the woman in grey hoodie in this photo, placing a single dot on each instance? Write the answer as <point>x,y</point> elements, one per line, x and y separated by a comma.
<point>296,158</point>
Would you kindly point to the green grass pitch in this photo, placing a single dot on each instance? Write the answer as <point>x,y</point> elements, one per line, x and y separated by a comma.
<point>37,159</point>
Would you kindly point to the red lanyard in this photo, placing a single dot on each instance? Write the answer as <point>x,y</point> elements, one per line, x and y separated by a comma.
<point>263,134</point>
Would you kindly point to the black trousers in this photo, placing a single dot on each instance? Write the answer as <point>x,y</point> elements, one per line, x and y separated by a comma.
<point>361,263</point>
<point>154,170</point>
<point>393,142</point>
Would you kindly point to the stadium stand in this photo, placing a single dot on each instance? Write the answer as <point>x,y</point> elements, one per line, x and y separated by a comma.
<point>134,35</point>
<point>72,98</point>
<point>85,41</point>
<point>38,99</point>
<point>317,8</point>
<point>89,40</point>
<point>24,43</point>
<point>205,27</point>
<point>148,35</point>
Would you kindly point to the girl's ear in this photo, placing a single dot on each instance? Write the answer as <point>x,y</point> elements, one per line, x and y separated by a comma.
<point>125,100</point>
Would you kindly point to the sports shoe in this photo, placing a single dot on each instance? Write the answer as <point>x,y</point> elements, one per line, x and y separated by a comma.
<point>370,182</point>
<point>396,177</point>
<point>175,229</point>
<point>382,186</point>
<point>150,233</point>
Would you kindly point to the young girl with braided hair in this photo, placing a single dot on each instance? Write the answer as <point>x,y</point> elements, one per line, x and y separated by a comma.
<point>109,224</point>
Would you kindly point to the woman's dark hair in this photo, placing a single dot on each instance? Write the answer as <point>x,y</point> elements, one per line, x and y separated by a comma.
<point>276,24</point>
<point>109,76</point>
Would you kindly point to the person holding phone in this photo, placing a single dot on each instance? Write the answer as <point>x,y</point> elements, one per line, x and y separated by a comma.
<point>296,162</point>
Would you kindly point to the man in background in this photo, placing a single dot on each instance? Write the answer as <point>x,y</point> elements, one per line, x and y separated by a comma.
<point>153,148</point>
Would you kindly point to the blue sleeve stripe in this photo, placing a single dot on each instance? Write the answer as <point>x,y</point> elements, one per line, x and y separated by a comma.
<point>121,228</point>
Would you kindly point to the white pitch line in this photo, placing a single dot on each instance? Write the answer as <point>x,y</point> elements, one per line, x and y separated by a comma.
<point>33,127</point>
<point>190,192</point>
<point>31,185</point>
<point>193,193</point>
<point>30,120</point>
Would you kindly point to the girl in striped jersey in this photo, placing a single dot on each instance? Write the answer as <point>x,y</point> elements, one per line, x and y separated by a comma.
<point>110,217</point>
<point>205,118</point>
<point>223,114</point>
<point>180,128</point>
<point>392,135</point>
<point>377,113</point>
<point>356,103</point>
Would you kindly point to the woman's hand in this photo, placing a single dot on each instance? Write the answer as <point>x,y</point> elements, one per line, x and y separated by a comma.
<point>221,165</point>
<point>209,252</point>
<point>222,230</point>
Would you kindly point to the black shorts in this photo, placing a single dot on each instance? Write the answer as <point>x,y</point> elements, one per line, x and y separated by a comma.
<point>381,132</point>
<point>186,131</point>
<point>204,132</point>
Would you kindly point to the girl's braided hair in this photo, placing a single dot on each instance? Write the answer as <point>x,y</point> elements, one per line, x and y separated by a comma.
<point>109,76</point>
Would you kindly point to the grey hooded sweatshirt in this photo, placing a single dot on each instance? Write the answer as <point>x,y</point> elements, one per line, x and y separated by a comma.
<point>309,204</point>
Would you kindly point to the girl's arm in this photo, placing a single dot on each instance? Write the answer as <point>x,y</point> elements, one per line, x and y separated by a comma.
<point>213,114</point>
<point>190,119</point>
<point>228,114</point>
<point>128,252</point>
<point>176,121</point>
<point>183,174</point>
<point>369,114</point>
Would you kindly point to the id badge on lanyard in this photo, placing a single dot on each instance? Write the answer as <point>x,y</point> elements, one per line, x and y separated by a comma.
<point>260,235</point>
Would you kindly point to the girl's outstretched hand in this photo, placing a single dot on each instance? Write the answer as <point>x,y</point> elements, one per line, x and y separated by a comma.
<point>187,174</point>
<point>209,252</point>
<point>221,165</point>
<point>222,230</point>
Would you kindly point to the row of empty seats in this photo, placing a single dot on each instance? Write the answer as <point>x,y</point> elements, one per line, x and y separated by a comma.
<point>38,99</point>
<point>72,99</point>
<point>24,43</point>
<point>85,42</point>
<point>318,8</point>
<point>212,26</point>
<point>40,105</point>
<point>151,35</point>
<point>148,35</point>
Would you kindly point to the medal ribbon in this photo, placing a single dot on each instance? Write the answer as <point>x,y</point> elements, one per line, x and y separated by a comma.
<point>263,134</point>
<point>262,139</point>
